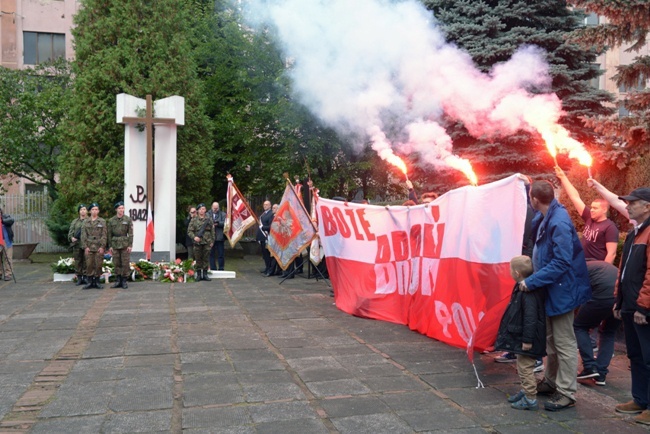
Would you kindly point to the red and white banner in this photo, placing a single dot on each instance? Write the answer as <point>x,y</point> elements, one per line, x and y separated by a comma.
<point>435,267</point>
<point>239,216</point>
<point>292,229</point>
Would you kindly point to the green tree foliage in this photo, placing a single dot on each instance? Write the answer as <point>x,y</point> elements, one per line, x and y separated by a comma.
<point>627,24</point>
<point>135,47</point>
<point>261,131</point>
<point>33,109</point>
<point>491,31</point>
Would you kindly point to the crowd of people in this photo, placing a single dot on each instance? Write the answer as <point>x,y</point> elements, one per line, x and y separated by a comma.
<point>580,289</point>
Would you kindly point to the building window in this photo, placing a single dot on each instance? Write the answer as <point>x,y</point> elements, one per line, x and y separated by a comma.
<point>623,112</point>
<point>41,47</point>
<point>592,20</point>
<point>639,87</point>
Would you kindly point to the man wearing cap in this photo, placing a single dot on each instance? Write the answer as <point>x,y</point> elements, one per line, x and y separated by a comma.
<point>633,303</point>
<point>74,236</point>
<point>217,251</point>
<point>201,231</point>
<point>93,241</point>
<point>120,244</point>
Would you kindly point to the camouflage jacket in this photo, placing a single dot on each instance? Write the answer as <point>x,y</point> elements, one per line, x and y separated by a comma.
<point>196,226</point>
<point>75,231</point>
<point>93,234</point>
<point>120,232</point>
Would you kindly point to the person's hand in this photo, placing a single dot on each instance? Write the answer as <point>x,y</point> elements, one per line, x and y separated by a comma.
<point>409,184</point>
<point>128,249</point>
<point>616,313</point>
<point>101,251</point>
<point>559,172</point>
<point>110,251</point>
<point>640,319</point>
<point>523,287</point>
<point>74,240</point>
<point>87,250</point>
<point>197,239</point>
<point>526,346</point>
<point>524,178</point>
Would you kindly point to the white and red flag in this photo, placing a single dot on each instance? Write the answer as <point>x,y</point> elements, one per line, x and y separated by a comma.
<point>150,235</point>
<point>292,229</point>
<point>316,253</point>
<point>435,267</point>
<point>239,215</point>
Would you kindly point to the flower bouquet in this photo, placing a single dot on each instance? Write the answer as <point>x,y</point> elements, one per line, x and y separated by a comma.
<point>64,266</point>
<point>145,270</point>
<point>188,268</point>
<point>172,272</point>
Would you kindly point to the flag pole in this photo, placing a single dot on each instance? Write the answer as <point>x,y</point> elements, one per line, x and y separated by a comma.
<point>230,179</point>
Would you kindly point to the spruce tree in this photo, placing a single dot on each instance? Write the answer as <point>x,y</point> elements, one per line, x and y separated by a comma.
<point>135,47</point>
<point>627,24</point>
<point>491,31</point>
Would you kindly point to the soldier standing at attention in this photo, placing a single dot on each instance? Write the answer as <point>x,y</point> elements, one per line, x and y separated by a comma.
<point>120,244</point>
<point>74,236</point>
<point>93,241</point>
<point>201,231</point>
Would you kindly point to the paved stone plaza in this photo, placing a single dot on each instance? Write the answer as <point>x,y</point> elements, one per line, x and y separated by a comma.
<point>249,355</point>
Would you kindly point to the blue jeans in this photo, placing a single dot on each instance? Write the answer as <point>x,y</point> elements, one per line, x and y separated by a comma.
<point>217,252</point>
<point>592,314</point>
<point>637,340</point>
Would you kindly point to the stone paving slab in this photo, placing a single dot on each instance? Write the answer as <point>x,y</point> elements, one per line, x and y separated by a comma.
<point>251,355</point>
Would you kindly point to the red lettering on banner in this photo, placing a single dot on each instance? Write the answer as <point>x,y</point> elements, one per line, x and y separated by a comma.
<point>416,240</point>
<point>328,221</point>
<point>383,250</point>
<point>400,245</point>
<point>433,237</point>
<point>385,281</point>
<point>365,224</point>
<point>342,225</point>
<point>357,235</point>
<point>403,274</point>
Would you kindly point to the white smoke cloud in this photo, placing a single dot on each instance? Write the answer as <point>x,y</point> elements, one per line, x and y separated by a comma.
<point>381,70</point>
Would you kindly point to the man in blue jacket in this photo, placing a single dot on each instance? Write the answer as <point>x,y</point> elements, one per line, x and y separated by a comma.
<point>560,268</point>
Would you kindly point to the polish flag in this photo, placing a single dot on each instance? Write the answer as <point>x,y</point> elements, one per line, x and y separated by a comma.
<point>150,234</point>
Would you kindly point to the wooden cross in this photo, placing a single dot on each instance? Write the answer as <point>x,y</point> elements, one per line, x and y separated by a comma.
<point>149,121</point>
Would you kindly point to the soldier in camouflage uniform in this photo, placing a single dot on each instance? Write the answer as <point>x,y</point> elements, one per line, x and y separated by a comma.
<point>120,244</point>
<point>74,236</point>
<point>201,231</point>
<point>93,241</point>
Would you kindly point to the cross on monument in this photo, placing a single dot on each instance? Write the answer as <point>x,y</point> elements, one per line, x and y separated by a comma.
<point>149,121</point>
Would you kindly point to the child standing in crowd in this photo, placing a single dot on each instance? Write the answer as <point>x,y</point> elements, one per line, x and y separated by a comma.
<point>523,331</point>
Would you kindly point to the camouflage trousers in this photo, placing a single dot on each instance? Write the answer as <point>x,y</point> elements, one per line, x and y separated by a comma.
<point>94,262</point>
<point>79,260</point>
<point>121,260</point>
<point>201,256</point>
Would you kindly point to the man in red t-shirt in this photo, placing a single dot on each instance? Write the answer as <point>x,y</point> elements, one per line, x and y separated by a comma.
<point>600,234</point>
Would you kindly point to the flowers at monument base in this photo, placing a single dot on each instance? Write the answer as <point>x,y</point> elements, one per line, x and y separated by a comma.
<point>172,272</point>
<point>63,266</point>
<point>145,270</point>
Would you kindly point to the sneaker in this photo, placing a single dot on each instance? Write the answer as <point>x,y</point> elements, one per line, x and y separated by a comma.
<point>506,358</point>
<point>558,402</point>
<point>600,380</point>
<point>588,373</point>
<point>543,388</point>
<point>517,397</point>
<point>630,407</point>
<point>643,418</point>
<point>539,366</point>
<point>525,404</point>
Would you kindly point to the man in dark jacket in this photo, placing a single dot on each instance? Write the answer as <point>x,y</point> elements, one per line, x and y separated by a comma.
<point>560,269</point>
<point>633,303</point>
<point>8,238</point>
<point>217,250</point>
<point>266,218</point>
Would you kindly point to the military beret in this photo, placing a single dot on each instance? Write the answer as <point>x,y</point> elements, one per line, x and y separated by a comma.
<point>118,203</point>
<point>93,205</point>
<point>81,205</point>
<point>200,205</point>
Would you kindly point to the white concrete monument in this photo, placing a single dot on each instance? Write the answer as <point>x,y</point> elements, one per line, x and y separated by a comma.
<point>150,174</point>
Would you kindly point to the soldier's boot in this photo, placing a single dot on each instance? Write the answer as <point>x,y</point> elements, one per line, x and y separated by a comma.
<point>85,279</point>
<point>80,280</point>
<point>118,282</point>
<point>89,283</point>
<point>124,284</point>
<point>97,285</point>
<point>205,276</point>
<point>199,276</point>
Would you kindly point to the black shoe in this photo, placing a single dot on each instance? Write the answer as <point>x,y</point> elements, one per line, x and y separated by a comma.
<point>124,284</point>
<point>268,274</point>
<point>89,283</point>
<point>588,373</point>
<point>600,380</point>
<point>97,285</point>
<point>118,282</point>
<point>80,280</point>
<point>205,276</point>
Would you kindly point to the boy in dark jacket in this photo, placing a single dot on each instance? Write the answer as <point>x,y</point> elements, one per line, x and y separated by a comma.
<point>523,332</point>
